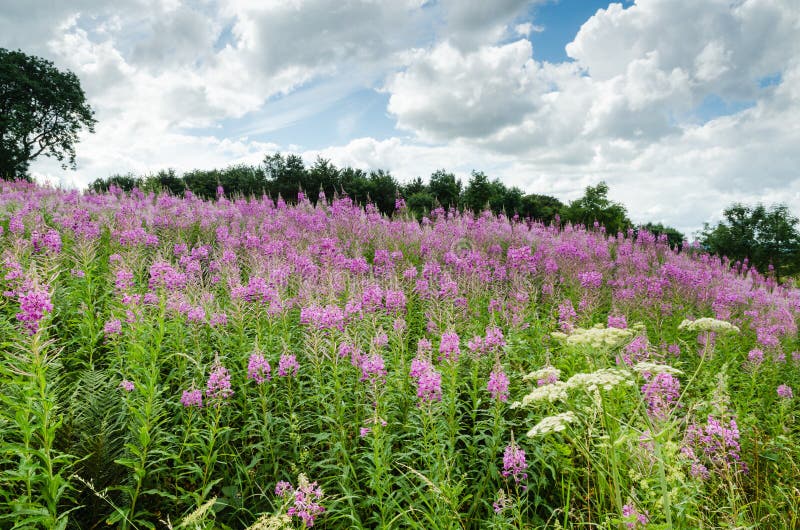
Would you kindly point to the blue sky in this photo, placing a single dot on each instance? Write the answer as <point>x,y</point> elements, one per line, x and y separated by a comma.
<point>683,107</point>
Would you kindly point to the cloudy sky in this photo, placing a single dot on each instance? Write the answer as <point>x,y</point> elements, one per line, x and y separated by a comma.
<point>682,106</point>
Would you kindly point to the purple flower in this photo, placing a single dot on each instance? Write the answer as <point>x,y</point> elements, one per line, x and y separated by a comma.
<point>498,384</point>
<point>196,314</point>
<point>419,367</point>
<point>566,316</point>
<point>449,346</point>
<point>304,500</point>
<point>372,368</point>
<point>113,327</point>
<point>429,385</point>
<point>661,393</point>
<point>192,398</point>
<point>713,447</point>
<point>258,369</point>
<point>785,391</point>
<point>219,383</point>
<point>126,385</point>
<point>287,364</point>
<point>756,357</point>
<point>617,321</point>
<point>633,518</point>
<point>33,305</point>
<point>501,503</point>
<point>514,464</point>
<point>283,487</point>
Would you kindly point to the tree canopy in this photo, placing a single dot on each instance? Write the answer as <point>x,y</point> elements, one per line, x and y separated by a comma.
<point>595,206</point>
<point>764,236</point>
<point>42,110</point>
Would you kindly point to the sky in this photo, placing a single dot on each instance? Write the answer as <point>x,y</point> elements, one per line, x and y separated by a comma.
<point>682,106</point>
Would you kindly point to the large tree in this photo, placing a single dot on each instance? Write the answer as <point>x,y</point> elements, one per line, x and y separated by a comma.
<point>42,110</point>
<point>766,236</point>
<point>596,206</point>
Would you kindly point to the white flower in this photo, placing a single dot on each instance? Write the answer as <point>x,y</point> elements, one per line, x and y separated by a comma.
<point>646,367</point>
<point>543,373</point>
<point>605,378</point>
<point>552,393</point>
<point>596,337</point>
<point>708,324</point>
<point>552,424</point>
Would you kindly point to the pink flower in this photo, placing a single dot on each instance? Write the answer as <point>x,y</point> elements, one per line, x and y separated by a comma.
<point>449,346</point>
<point>219,383</point>
<point>33,305</point>
<point>785,391</point>
<point>514,464</point>
<point>498,385</point>
<point>429,385</point>
<point>288,364</point>
<point>192,398</point>
<point>258,369</point>
<point>113,327</point>
<point>126,385</point>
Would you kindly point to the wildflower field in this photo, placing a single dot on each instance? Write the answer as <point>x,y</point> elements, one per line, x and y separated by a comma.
<point>174,362</point>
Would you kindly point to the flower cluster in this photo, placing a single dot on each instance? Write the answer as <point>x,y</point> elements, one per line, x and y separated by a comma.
<point>449,346</point>
<point>708,324</point>
<point>219,383</point>
<point>287,365</point>
<point>514,464</point>
<point>33,305</point>
<point>634,518</point>
<point>555,423</point>
<point>192,398</point>
<point>258,369</point>
<point>429,381</point>
<point>304,501</point>
<point>713,448</point>
<point>498,384</point>
<point>661,394</point>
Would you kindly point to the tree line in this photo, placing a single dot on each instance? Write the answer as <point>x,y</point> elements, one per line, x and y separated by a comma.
<point>287,176</point>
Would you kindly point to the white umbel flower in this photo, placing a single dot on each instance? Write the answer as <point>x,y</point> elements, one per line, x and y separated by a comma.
<point>552,424</point>
<point>596,337</point>
<point>605,378</point>
<point>708,324</point>
<point>552,393</point>
<point>547,372</point>
<point>646,367</point>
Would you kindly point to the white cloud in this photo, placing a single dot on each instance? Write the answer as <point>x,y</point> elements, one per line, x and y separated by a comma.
<point>445,93</point>
<point>462,81</point>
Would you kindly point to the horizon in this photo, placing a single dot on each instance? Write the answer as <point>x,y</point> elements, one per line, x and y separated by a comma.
<point>683,108</point>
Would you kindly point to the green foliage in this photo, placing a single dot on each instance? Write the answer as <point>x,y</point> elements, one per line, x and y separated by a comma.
<point>674,237</point>
<point>595,206</point>
<point>479,192</point>
<point>42,110</point>
<point>765,236</point>
<point>445,189</point>
<point>541,207</point>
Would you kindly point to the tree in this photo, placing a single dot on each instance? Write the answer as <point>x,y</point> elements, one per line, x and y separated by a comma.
<point>596,206</point>
<point>542,208</point>
<point>764,236</point>
<point>478,192</point>
<point>674,237</point>
<point>42,110</point>
<point>445,188</point>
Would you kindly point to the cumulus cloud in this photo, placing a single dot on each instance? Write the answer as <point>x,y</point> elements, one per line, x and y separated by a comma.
<point>445,93</point>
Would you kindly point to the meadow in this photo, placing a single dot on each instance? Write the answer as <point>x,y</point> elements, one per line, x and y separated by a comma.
<point>173,362</point>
